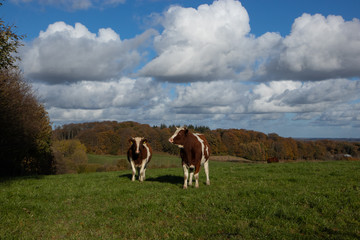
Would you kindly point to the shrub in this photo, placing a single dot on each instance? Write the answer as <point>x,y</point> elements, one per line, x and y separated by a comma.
<point>70,156</point>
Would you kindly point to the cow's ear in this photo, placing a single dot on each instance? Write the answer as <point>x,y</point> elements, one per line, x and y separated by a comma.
<point>145,140</point>
<point>186,131</point>
<point>131,140</point>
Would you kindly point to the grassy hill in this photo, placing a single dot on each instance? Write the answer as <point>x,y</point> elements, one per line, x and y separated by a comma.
<point>303,200</point>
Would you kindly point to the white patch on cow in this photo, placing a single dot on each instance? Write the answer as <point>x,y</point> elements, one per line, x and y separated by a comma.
<point>144,163</point>
<point>137,142</point>
<point>206,166</point>
<point>196,180</point>
<point>203,158</point>
<point>186,174</point>
<point>133,169</point>
<point>147,152</point>
<point>192,169</point>
<point>177,132</point>
<point>142,171</point>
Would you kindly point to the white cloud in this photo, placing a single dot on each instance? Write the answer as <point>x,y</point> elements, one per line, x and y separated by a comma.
<point>318,48</point>
<point>125,92</point>
<point>234,101</point>
<point>72,5</point>
<point>218,97</point>
<point>347,115</point>
<point>298,97</point>
<point>121,99</point>
<point>64,53</point>
<point>214,42</point>
<point>208,43</point>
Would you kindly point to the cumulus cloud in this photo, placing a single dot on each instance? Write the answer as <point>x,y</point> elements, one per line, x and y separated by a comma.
<point>214,42</point>
<point>218,97</point>
<point>341,115</point>
<point>72,5</point>
<point>298,97</point>
<point>118,99</point>
<point>318,48</point>
<point>224,100</point>
<point>124,92</point>
<point>208,43</point>
<point>64,53</point>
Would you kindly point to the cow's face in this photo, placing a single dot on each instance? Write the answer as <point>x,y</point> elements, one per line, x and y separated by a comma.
<point>178,138</point>
<point>137,144</point>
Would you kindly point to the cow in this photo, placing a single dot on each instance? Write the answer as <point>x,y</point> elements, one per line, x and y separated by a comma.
<point>194,151</point>
<point>139,155</point>
<point>273,160</point>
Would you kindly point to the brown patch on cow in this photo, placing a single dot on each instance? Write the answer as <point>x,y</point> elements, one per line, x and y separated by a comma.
<point>139,155</point>
<point>142,155</point>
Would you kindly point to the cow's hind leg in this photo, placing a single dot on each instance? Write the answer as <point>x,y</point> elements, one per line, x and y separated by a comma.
<point>186,174</point>
<point>191,169</point>
<point>196,175</point>
<point>206,167</point>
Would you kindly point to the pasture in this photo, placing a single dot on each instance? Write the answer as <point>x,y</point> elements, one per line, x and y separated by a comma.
<point>302,200</point>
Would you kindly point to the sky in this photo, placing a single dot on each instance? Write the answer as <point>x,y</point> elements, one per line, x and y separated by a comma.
<point>285,67</point>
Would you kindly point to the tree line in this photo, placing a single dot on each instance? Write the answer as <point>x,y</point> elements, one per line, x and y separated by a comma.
<point>111,137</point>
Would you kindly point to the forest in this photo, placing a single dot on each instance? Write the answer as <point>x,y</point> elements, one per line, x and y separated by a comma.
<point>111,137</point>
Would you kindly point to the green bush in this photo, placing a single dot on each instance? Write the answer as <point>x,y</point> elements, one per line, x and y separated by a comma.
<point>70,156</point>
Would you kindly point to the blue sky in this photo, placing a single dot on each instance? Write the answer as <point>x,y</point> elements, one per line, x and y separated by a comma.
<point>290,67</point>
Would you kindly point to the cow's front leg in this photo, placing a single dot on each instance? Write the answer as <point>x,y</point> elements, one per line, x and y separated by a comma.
<point>142,171</point>
<point>133,170</point>
<point>186,174</point>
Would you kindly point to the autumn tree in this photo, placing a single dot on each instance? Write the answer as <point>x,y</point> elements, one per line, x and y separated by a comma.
<point>9,43</point>
<point>25,131</point>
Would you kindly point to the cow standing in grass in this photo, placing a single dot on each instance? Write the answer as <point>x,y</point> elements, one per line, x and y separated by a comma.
<point>194,151</point>
<point>139,155</point>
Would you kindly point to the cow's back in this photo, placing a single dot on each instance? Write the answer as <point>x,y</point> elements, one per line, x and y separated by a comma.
<point>196,145</point>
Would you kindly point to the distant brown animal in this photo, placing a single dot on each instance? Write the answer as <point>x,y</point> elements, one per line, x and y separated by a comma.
<point>194,151</point>
<point>139,155</point>
<point>273,160</point>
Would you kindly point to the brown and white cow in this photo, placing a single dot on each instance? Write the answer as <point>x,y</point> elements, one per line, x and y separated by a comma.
<point>194,151</point>
<point>139,155</point>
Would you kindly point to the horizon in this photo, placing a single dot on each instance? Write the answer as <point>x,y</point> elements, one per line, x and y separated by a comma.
<point>290,68</point>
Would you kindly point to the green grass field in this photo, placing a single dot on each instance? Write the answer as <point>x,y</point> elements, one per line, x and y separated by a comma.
<point>303,200</point>
<point>158,160</point>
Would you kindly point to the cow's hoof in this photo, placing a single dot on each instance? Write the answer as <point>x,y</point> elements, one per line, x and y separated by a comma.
<point>208,183</point>
<point>184,187</point>
<point>196,185</point>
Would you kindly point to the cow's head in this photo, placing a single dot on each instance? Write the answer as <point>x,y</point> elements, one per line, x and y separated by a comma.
<point>178,138</point>
<point>137,144</point>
